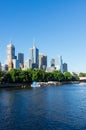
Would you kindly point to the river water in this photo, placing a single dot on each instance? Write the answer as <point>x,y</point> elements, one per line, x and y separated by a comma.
<point>44,108</point>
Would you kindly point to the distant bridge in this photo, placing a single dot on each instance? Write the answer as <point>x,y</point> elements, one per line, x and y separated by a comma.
<point>82,79</point>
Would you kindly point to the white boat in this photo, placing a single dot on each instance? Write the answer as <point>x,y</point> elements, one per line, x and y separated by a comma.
<point>35,84</point>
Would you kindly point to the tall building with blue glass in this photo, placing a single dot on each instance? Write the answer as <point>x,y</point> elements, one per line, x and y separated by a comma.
<point>21,59</point>
<point>34,56</point>
<point>59,66</point>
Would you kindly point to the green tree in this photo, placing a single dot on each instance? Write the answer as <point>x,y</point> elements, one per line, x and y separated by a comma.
<point>55,75</point>
<point>15,75</point>
<point>75,76</point>
<point>49,76</point>
<point>24,77</point>
<point>68,76</point>
<point>58,76</point>
<point>61,77</point>
<point>1,76</point>
<point>7,77</point>
<point>38,75</point>
<point>82,74</point>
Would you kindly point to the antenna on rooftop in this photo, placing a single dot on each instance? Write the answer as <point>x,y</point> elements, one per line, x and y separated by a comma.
<point>34,42</point>
<point>11,41</point>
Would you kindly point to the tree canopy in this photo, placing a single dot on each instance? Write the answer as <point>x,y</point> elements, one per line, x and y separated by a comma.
<point>30,75</point>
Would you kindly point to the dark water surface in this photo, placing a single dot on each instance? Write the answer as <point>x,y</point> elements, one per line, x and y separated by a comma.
<point>47,108</point>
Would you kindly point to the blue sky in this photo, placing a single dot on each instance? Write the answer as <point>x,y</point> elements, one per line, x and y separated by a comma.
<point>58,27</point>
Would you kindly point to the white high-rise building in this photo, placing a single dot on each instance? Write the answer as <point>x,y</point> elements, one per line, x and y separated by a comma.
<point>28,64</point>
<point>4,67</point>
<point>10,52</point>
<point>59,66</point>
<point>15,64</point>
<point>34,56</point>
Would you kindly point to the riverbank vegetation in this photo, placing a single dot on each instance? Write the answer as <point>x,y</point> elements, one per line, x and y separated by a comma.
<point>82,74</point>
<point>30,75</point>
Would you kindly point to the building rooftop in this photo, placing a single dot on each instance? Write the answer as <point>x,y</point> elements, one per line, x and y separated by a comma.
<point>10,45</point>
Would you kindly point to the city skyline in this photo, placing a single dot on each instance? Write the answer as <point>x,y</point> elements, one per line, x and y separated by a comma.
<point>35,60</point>
<point>57,25</point>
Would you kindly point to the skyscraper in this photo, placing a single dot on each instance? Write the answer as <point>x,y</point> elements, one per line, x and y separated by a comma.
<point>10,52</point>
<point>59,64</point>
<point>28,64</point>
<point>65,68</point>
<point>42,61</point>
<point>4,67</point>
<point>52,62</point>
<point>10,66</point>
<point>16,64</point>
<point>34,56</point>
<point>21,60</point>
